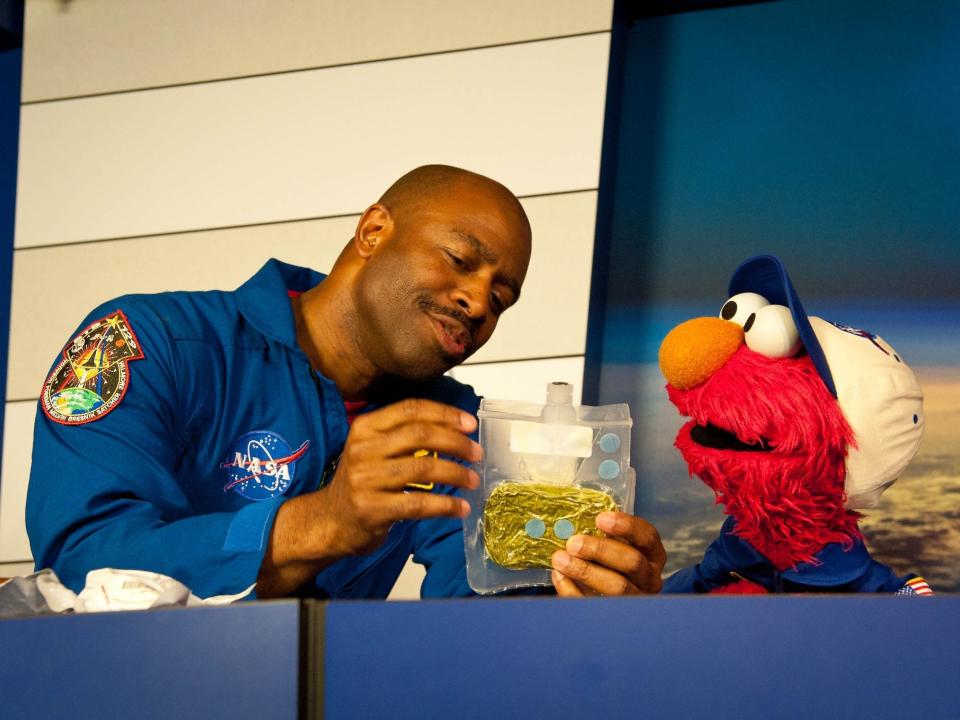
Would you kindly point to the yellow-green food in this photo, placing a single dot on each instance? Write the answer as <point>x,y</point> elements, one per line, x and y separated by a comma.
<point>516,513</point>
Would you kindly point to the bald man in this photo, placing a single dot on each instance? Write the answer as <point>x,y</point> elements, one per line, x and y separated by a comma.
<point>270,436</point>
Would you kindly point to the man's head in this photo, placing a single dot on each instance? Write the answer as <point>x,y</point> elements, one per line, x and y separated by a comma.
<point>434,263</point>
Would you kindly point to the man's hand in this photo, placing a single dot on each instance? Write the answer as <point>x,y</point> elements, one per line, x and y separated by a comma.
<point>368,493</point>
<point>628,562</point>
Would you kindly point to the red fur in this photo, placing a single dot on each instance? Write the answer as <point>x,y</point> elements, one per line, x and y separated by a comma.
<point>740,587</point>
<point>789,502</point>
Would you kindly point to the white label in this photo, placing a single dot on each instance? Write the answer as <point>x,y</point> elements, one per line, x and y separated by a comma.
<point>547,439</point>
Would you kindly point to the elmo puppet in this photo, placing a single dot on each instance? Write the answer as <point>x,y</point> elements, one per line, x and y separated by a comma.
<point>796,423</point>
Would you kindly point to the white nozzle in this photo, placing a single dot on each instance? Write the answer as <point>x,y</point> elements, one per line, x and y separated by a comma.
<point>559,407</point>
<point>559,393</point>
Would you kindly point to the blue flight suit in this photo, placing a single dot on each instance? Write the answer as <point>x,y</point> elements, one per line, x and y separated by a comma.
<point>211,430</point>
<point>837,569</point>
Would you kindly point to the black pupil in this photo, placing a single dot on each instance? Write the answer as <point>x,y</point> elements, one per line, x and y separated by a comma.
<point>728,310</point>
<point>749,323</point>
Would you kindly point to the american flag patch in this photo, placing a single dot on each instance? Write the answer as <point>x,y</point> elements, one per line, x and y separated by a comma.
<point>916,586</point>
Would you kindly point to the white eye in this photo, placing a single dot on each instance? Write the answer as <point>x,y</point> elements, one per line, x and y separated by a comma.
<point>740,307</point>
<point>772,332</point>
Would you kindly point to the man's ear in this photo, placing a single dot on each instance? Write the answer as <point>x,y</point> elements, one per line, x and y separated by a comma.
<point>374,227</point>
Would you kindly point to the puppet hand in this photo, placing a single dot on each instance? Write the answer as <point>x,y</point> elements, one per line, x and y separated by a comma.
<point>628,562</point>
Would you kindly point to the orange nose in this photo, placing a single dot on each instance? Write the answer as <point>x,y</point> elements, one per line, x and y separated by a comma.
<point>693,351</point>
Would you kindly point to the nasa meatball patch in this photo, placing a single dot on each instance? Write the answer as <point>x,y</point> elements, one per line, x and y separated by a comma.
<point>92,377</point>
<point>261,465</point>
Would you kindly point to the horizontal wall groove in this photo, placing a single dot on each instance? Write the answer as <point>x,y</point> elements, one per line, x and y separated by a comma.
<point>172,233</point>
<point>235,78</point>
<point>191,231</point>
<point>523,359</point>
<point>465,365</point>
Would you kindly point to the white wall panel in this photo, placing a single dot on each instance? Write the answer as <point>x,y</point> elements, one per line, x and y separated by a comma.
<point>551,317</point>
<point>308,144</point>
<point>17,447</point>
<point>524,380</point>
<point>9,570</point>
<point>55,287</point>
<point>408,584</point>
<point>96,46</point>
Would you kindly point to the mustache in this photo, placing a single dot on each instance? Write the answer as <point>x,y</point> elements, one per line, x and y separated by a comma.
<point>429,305</point>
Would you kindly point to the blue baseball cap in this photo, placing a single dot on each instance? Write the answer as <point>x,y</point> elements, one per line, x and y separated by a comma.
<point>766,276</point>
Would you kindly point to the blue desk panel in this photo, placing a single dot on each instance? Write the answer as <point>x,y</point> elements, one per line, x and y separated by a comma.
<point>656,657</point>
<point>230,662</point>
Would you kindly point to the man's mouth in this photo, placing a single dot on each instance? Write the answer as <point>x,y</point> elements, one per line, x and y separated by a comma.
<point>454,337</point>
<point>711,436</point>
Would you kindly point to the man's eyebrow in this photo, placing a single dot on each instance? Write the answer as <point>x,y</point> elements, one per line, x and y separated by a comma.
<point>478,246</point>
<point>488,256</point>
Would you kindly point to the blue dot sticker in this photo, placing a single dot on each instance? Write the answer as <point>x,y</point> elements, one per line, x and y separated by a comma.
<point>535,528</point>
<point>610,442</point>
<point>563,528</point>
<point>609,469</point>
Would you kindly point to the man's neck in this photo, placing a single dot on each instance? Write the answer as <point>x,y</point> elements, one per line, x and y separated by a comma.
<point>325,332</point>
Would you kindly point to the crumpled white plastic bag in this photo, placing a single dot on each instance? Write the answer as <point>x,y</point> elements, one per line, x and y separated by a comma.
<point>39,593</point>
<point>109,589</point>
<point>106,589</point>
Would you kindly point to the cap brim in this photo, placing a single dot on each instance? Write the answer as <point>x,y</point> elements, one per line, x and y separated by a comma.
<point>765,275</point>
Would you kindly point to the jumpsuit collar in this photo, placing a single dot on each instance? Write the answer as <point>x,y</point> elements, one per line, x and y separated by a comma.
<point>835,564</point>
<point>264,299</point>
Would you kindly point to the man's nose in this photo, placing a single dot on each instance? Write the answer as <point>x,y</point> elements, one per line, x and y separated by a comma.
<point>694,350</point>
<point>473,300</point>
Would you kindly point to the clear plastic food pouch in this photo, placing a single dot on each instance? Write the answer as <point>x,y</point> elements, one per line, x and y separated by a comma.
<point>548,470</point>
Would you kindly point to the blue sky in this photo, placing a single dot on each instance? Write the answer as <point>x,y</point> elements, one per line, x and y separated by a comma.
<point>826,133</point>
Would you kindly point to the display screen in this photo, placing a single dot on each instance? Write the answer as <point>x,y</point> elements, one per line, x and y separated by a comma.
<point>827,134</point>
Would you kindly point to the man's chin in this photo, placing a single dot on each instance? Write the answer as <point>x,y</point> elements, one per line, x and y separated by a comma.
<point>425,369</point>
<point>449,362</point>
<point>428,359</point>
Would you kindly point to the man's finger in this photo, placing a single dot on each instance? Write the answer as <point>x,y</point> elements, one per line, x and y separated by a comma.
<point>618,556</point>
<point>593,577</point>
<point>564,586</point>
<point>636,532</point>
<point>415,410</point>
<point>610,553</point>
<point>396,474</point>
<point>421,505</point>
<point>409,438</point>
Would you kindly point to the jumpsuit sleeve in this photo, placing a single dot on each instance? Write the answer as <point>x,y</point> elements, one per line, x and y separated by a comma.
<point>686,580</point>
<point>711,572</point>
<point>108,492</point>
<point>438,546</point>
<point>438,543</point>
